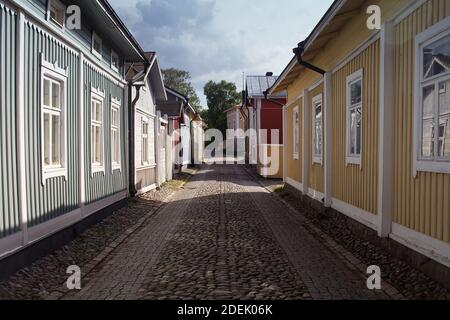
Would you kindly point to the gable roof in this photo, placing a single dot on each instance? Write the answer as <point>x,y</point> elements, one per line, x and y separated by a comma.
<point>181,96</point>
<point>257,85</point>
<point>135,72</point>
<point>336,17</point>
<point>110,24</point>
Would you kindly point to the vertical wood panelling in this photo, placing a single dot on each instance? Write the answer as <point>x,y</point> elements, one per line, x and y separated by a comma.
<point>9,213</point>
<point>354,184</point>
<point>102,185</point>
<point>316,172</point>
<point>58,196</point>
<point>294,166</point>
<point>421,203</point>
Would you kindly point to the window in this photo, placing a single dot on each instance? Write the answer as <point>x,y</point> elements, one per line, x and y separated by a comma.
<point>432,104</point>
<point>53,122</point>
<point>56,12</point>
<point>97,153</point>
<point>114,61</point>
<point>96,45</point>
<point>317,129</point>
<point>296,135</point>
<point>354,117</point>
<point>144,155</point>
<point>115,134</point>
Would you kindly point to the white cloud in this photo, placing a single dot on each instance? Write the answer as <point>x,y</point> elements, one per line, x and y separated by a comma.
<point>220,39</point>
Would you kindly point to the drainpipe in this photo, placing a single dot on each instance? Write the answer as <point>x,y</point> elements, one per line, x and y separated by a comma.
<point>131,136</point>
<point>131,125</point>
<point>299,52</point>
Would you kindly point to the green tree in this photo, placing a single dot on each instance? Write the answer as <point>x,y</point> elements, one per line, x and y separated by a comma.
<point>220,97</point>
<point>180,81</point>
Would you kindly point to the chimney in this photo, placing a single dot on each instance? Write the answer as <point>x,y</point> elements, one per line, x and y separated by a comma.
<point>269,74</point>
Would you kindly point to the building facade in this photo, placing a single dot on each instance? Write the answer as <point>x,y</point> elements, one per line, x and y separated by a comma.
<point>361,133</point>
<point>265,114</point>
<point>64,111</point>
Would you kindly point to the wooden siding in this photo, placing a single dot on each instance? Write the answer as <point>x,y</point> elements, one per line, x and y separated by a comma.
<point>421,203</point>
<point>9,204</point>
<point>101,185</point>
<point>293,166</point>
<point>354,184</point>
<point>58,196</point>
<point>316,172</point>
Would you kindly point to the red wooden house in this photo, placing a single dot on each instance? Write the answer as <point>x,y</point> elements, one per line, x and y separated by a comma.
<point>265,117</point>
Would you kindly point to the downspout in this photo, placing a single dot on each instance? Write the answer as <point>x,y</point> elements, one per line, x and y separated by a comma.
<point>131,130</point>
<point>131,136</point>
<point>299,52</point>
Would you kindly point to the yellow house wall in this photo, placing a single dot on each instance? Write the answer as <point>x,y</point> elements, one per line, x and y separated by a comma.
<point>316,178</point>
<point>354,184</point>
<point>293,166</point>
<point>421,203</point>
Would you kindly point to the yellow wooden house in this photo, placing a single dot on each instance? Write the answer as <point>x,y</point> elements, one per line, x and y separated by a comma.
<point>360,124</point>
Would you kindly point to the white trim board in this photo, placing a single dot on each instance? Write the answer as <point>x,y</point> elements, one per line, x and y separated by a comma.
<point>12,244</point>
<point>428,246</point>
<point>316,195</point>
<point>366,218</point>
<point>295,184</point>
<point>146,189</point>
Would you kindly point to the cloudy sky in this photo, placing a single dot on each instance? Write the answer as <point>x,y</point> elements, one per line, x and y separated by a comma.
<point>221,39</point>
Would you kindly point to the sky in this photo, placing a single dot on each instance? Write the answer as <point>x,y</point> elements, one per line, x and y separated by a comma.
<point>220,39</point>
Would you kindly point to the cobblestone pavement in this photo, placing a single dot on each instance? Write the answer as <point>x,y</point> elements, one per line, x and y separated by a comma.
<point>226,237</point>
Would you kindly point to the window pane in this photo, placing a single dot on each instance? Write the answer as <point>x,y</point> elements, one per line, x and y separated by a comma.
<point>318,109</point>
<point>436,57</point>
<point>98,109</point>
<point>318,139</point>
<point>56,145</point>
<point>428,122</point>
<point>352,132</point>
<point>56,95</point>
<point>113,145</point>
<point>46,139</point>
<point>98,145</point>
<point>358,131</point>
<point>92,143</point>
<point>93,112</point>
<point>444,119</point>
<point>46,92</point>
<point>355,92</point>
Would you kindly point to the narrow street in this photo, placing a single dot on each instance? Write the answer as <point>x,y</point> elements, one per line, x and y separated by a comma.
<point>224,236</point>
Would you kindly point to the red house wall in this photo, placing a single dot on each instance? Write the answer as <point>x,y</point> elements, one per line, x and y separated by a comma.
<point>272,118</point>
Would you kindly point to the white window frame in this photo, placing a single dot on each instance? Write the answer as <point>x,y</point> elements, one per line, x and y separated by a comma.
<point>99,96</point>
<point>114,54</point>
<point>316,159</point>
<point>56,74</point>
<point>96,53</point>
<point>59,5</point>
<point>146,162</point>
<point>296,145</point>
<point>433,164</point>
<point>115,105</point>
<point>351,79</point>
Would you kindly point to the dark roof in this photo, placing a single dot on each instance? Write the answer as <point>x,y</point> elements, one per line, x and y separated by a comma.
<point>170,108</point>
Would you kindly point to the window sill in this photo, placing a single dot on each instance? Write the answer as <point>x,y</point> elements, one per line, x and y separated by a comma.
<point>116,167</point>
<point>97,170</point>
<point>431,166</point>
<point>97,54</point>
<point>353,161</point>
<point>53,173</point>
<point>317,161</point>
